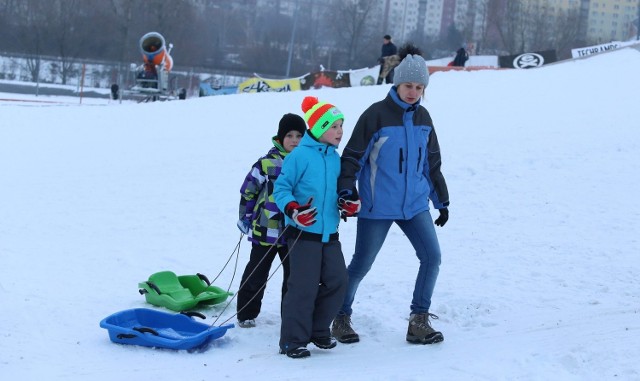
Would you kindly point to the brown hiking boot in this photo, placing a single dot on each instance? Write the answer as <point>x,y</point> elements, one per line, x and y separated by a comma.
<point>342,331</point>
<point>420,330</point>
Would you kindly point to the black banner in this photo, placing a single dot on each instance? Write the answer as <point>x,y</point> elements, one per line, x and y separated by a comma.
<point>528,60</point>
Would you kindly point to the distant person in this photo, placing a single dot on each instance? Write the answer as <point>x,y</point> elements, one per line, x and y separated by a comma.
<point>462,56</point>
<point>387,63</point>
<point>394,156</point>
<point>262,221</point>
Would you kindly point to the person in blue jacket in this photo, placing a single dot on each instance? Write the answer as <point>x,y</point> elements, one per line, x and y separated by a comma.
<point>307,192</point>
<point>394,155</point>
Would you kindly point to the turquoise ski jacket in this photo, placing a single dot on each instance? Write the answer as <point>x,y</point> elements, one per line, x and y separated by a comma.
<point>311,171</point>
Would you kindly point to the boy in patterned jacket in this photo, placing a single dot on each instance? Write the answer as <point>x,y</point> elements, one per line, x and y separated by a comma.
<point>262,222</point>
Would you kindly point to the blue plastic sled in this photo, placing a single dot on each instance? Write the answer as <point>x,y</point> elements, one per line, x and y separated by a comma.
<point>151,328</point>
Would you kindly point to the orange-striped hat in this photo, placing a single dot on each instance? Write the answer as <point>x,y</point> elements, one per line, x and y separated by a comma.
<point>319,115</point>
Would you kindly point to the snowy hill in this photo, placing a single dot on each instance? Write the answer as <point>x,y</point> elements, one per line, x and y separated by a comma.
<point>540,277</point>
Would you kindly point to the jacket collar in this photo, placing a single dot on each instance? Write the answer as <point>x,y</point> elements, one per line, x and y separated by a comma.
<point>309,141</point>
<point>278,147</point>
<point>393,94</point>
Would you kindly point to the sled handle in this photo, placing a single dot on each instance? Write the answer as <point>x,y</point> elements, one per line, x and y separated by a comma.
<point>142,291</point>
<point>126,336</point>
<point>191,314</point>
<point>155,288</point>
<point>204,278</point>
<point>146,330</point>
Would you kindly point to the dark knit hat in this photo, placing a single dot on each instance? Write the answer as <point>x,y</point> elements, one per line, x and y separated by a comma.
<point>290,122</point>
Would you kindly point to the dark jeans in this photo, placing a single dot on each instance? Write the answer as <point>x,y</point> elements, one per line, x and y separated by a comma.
<point>255,284</point>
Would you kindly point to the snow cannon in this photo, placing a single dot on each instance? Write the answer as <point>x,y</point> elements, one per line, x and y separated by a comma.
<point>154,50</point>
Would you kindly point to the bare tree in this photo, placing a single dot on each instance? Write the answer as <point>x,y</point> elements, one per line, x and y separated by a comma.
<point>566,31</point>
<point>491,37</point>
<point>510,22</point>
<point>219,28</point>
<point>268,43</point>
<point>66,29</point>
<point>353,17</point>
<point>123,20</point>
<point>31,35</point>
<point>483,13</point>
<point>311,50</point>
<point>540,19</point>
<point>7,14</point>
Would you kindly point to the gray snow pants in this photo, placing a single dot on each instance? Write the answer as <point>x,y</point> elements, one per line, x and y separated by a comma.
<point>315,291</point>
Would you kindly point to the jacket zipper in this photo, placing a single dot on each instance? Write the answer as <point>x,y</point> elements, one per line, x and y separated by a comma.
<point>419,158</point>
<point>401,160</point>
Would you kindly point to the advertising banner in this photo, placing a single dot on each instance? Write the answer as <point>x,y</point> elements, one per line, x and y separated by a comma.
<point>589,50</point>
<point>528,60</point>
<point>321,79</point>
<point>207,89</point>
<point>364,77</point>
<point>262,85</point>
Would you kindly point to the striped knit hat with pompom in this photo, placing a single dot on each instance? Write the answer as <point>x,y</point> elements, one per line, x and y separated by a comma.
<point>319,115</point>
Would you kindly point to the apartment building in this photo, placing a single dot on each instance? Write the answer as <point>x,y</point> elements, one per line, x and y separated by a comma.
<point>607,20</point>
<point>432,17</point>
<point>613,20</point>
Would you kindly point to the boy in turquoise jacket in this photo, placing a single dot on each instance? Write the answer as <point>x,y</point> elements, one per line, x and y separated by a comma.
<point>307,192</point>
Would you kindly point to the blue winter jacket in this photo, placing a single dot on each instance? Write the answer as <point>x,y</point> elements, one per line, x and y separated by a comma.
<point>311,170</point>
<point>394,155</point>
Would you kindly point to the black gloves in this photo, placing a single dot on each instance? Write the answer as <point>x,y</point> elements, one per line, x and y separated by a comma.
<point>444,217</point>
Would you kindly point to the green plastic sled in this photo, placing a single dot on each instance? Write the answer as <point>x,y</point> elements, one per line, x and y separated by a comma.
<point>181,293</point>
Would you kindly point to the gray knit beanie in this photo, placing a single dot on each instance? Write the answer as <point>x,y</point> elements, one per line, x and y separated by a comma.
<point>411,69</point>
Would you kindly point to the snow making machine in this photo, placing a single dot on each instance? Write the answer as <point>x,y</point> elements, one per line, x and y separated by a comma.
<point>152,80</point>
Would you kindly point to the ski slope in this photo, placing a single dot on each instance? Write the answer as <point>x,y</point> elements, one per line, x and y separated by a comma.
<point>540,278</point>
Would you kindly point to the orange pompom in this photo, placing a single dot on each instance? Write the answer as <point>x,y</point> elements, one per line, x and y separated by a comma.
<point>308,103</point>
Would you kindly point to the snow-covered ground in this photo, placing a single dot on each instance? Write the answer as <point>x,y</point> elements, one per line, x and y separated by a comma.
<point>540,278</point>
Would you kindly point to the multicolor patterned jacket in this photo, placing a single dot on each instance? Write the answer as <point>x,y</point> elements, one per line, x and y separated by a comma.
<point>256,201</point>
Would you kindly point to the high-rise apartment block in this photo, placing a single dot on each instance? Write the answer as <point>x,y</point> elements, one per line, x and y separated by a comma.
<point>606,20</point>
